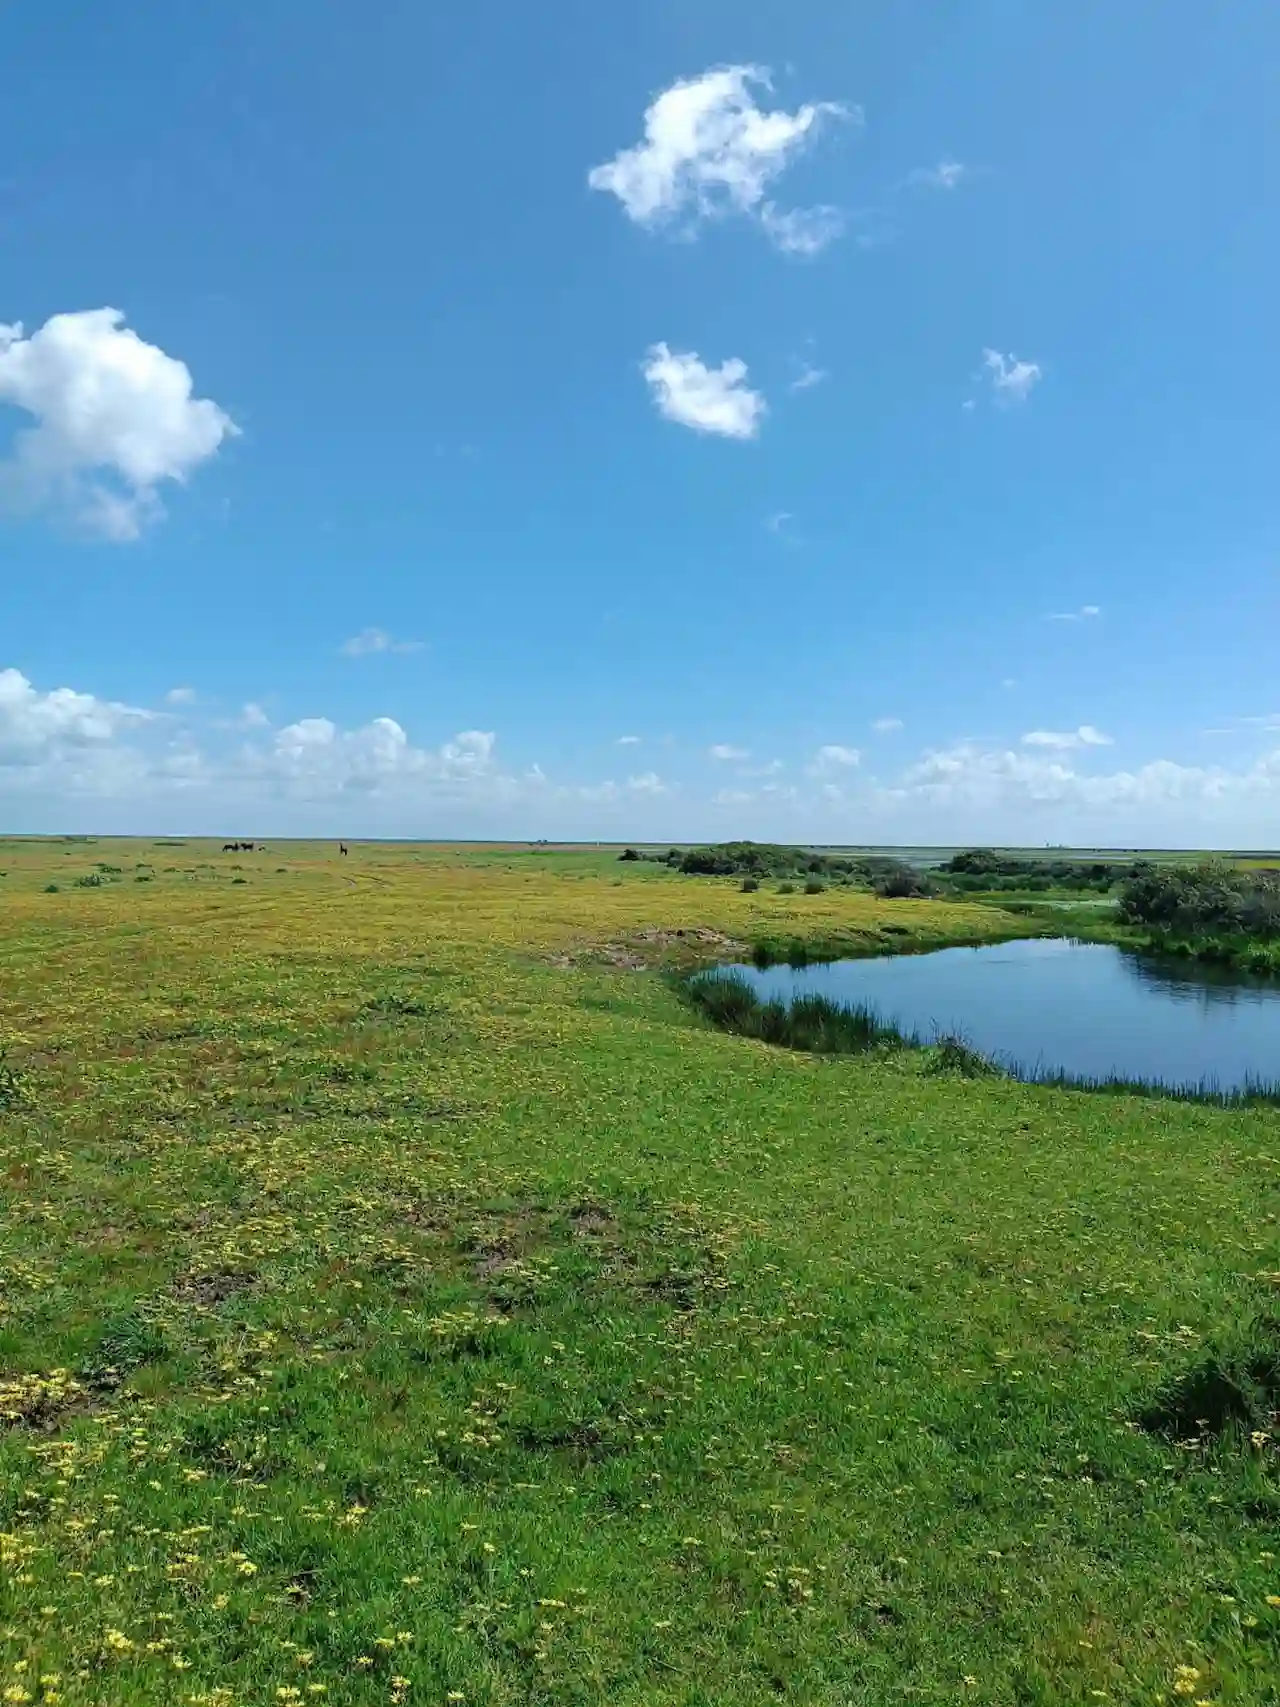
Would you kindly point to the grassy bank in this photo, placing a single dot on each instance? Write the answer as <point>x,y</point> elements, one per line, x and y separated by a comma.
<point>406,1299</point>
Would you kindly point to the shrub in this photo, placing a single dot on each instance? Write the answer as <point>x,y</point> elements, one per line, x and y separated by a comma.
<point>901,882</point>
<point>51,889</point>
<point>750,885</point>
<point>1209,899</point>
<point>93,880</point>
<point>786,889</point>
<point>629,853</point>
<point>814,886</point>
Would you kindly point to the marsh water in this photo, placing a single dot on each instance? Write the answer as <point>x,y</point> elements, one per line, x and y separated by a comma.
<point>1047,1006</point>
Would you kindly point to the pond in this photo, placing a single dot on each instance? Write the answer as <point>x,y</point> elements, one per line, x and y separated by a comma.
<point>1048,1006</point>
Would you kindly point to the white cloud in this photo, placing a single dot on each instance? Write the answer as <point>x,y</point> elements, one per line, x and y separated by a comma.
<point>36,727</point>
<point>726,754</point>
<point>887,725</point>
<point>944,176</point>
<point>1012,380</point>
<point>832,757</point>
<point>1063,740</point>
<point>808,377</point>
<point>253,716</point>
<point>801,230</point>
<point>710,400</point>
<point>709,150</point>
<point>114,420</point>
<point>72,760</point>
<point>371,640</point>
<point>1086,613</point>
<point>628,741</point>
<point>180,696</point>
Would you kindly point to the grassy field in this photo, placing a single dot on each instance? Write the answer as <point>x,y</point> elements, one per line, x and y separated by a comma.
<point>404,1298</point>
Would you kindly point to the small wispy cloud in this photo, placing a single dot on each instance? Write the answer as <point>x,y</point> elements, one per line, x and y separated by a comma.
<point>834,758</point>
<point>1012,380</point>
<point>1086,613</point>
<point>887,725</point>
<point>808,377</point>
<point>1064,740</point>
<point>371,640</point>
<point>944,176</point>
<point>628,741</point>
<point>726,754</point>
<point>180,696</point>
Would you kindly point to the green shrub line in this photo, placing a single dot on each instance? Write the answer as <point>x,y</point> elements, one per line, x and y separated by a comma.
<point>817,1025</point>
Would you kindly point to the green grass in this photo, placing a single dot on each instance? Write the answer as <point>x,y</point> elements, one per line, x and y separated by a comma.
<point>405,1297</point>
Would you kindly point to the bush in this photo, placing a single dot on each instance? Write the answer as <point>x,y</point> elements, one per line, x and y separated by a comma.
<point>94,880</point>
<point>901,882</point>
<point>1209,899</point>
<point>51,889</point>
<point>786,889</point>
<point>628,854</point>
<point>750,885</point>
<point>815,886</point>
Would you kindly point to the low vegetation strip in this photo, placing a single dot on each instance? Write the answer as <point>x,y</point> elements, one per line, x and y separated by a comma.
<point>388,1314</point>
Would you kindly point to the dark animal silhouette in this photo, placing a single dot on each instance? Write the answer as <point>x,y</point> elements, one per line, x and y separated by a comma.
<point>239,847</point>
<point>342,847</point>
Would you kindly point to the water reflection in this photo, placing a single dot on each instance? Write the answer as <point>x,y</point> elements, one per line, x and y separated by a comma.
<point>1200,982</point>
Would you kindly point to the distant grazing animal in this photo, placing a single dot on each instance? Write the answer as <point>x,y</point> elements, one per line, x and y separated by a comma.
<point>238,847</point>
<point>342,847</point>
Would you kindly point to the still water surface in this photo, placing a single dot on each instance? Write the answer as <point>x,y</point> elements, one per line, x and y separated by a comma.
<point>1049,1006</point>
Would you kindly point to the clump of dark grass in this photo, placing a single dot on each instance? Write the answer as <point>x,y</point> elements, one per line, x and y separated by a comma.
<point>1234,1388</point>
<point>13,1085</point>
<point>811,1023</point>
<point>952,1056</point>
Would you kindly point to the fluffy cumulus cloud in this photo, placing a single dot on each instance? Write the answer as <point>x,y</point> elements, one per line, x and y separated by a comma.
<point>40,727</point>
<point>72,759</point>
<point>709,399</point>
<point>114,421</point>
<point>1012,381</point>
<point>1062,740</point>
<point>709,149</point>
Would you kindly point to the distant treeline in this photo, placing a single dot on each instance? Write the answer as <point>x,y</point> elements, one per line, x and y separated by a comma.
<point>978,870</point>
<point>985,869</point>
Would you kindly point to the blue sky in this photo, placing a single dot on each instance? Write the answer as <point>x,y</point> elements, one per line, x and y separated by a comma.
<point>871,411</point>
